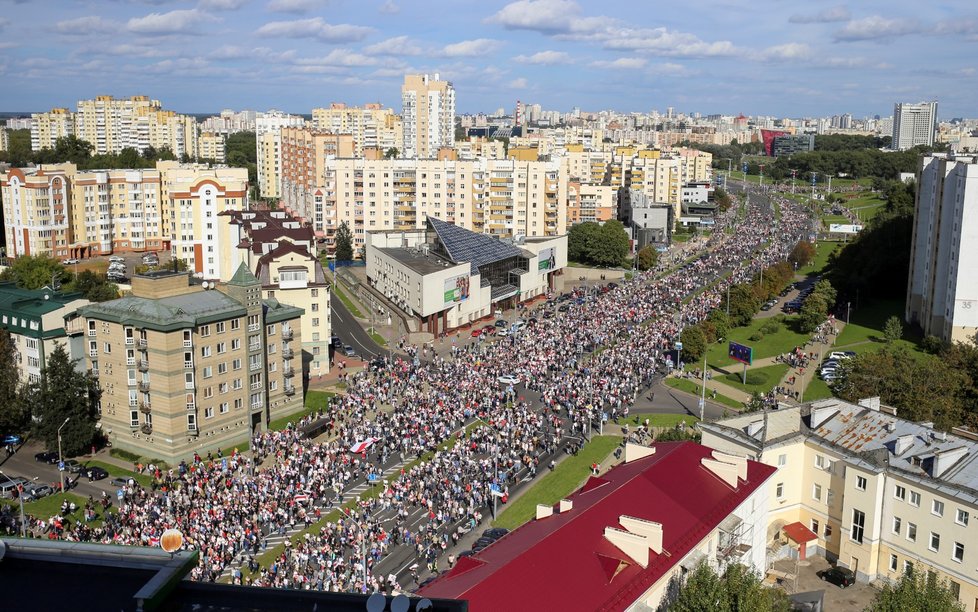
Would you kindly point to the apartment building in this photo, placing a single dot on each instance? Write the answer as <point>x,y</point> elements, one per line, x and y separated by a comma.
<point>4,139</point>
<point>47,128</point>
<point>281,250</point>
<point>913,124</point>
<point>587,202</point>
<point>506,198</point>
<point>268,136</point>
<point>212,146</point>
<point>942,289</point>
<point>230,122</point>
<point>59,211</point>
<point>428,115</point>
<point>477,148</point>
<point>187,367</point>
<point>37,320</point>
<point>879,493</point>
<point>370,125</point>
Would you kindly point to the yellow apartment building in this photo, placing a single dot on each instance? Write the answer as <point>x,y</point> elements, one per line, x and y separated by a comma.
<point>268,136</point>
<point>370,125</point>
<point>212,146</point>
<point>47,128</point>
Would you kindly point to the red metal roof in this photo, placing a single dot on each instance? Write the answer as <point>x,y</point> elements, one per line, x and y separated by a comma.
<point>563,562</point>
<point>798,533</point>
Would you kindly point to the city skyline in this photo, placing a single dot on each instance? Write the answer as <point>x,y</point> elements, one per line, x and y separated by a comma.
<point>726,57</point>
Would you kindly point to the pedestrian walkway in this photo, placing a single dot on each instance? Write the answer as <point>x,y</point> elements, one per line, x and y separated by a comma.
<point>796,380</point>
<point>721,388</point>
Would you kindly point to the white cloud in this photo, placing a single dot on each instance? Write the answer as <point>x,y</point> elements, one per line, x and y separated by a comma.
<point>129,50</point>
<point>668,69</point>
<point>547,16</point>
<point>670,43</point>
<point>469,48</point>
<point>785,52</point>
<point>386,73</point>
<point>399,45</point>
<point>519,83</point>
<point>234,52</point>
<point>293,6</point>
<point>829,15</point>
<point>968,28</point>
<point>546,58</point>
<point>340,57</point>
<point>389,8</point>
<point>876,27</point>
<point>221,5</point>
<point>315,28</point>
<point>622,63</point>
<point>174,22</point>
<point>86,25</point>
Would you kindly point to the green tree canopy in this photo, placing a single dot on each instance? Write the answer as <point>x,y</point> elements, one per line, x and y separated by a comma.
<point>893,329</point>
<point>738,589</point>
<point>579,240</point>
<point>802,254</point>
<point>744,303</point>
<point>916,592</point>
<point>64,393</point>
<point>344,243</point>
<point>814,311</point>
<point>35,271</point>
<point>647,258</point>
<point>13,413</point>
<point>95,287</point>
<point>694,341</point>
<point>611,246</point>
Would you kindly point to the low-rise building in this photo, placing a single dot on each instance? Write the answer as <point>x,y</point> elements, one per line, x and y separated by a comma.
<point>446,276</point>
<point>187,367</point>
<point>37,320</point>
<point>879,493</point>
<point>650,222</point>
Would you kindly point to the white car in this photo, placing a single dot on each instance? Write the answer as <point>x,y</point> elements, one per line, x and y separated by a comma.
<point>509,379</point>
<point>503,331</point>
<point>69,261</point>
<point>839,355</point>
<point>117,259</point>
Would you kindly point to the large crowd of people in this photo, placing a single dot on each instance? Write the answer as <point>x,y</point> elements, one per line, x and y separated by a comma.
<point>442,431</point>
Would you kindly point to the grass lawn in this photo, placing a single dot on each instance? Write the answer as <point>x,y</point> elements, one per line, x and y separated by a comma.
<point>867,322</point>
<point>772,344</point>
<point>761,380</point>
<point>822,251</point>
<point>378,339</point>
<point>318,399</point>
<point>46,507</point>
<point>829,219</point>
<point>114,470</point>
<point>346,301</point>
<point>661,420</point>
<point>816,390</point>
<point>689,386</point>
<point>310,407</point>
<point>682,237</point>
<point>564,480</point>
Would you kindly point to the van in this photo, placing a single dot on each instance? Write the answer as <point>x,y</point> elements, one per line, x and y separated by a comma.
<point>8,486</point>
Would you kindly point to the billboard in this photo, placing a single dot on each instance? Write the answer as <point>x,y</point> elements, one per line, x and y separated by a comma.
<point>741,353</point>
<point>547,259</point>
<point>842,228</point>
<point>456,289</point>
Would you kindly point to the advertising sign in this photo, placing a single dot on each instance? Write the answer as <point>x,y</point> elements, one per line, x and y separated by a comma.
<point>547,259</point>
<point>842,228</point>
<point>456,289</point>
<point>741,353</point>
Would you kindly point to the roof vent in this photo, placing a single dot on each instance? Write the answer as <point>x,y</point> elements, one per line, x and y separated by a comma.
<point>755,427</point>
<point>943,460</point>
<point>821,415</point>
<point>565,505</point>
<point>873,403</point>
<point>634,545</point>
<point>902,444</point>
<point>543,511</point>
<point>728,468</point>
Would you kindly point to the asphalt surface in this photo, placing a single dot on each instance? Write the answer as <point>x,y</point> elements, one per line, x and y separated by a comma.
<point>22,463</point>
<point>350,331</point>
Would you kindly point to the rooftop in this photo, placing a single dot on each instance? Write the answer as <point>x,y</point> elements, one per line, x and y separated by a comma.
<point>476,249</point>
<point>538,561</point>
<point>164,314</point>
<point>419,261</point>
<point>33,302</point>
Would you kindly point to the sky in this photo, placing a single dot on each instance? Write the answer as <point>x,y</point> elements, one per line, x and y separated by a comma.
<point>786,58</point>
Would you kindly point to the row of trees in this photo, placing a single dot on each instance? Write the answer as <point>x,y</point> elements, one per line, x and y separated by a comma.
<point>36,271</point>
<point>596,244</point>
<point>852,164</point>
<point>81,153</point>
<point>815,309</point>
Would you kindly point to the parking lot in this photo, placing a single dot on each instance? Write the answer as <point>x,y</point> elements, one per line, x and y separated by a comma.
<point>855,597</point>
<point>22,464</point>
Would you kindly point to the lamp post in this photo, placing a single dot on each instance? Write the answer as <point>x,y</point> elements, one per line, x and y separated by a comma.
<point>20,497</point>
<point>61,472</point>
<point>495,464</point>
<point>363,550</point>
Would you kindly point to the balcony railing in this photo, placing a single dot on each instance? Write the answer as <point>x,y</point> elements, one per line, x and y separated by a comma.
<point>188,365</point>
<point>191,406</point>
<point>192,427</point>
<point>144,386</point>
<point>288,372</point>
<point>145,407</point>
<point>146,428</point>
<point>130,341</point>
<point>188,344</point>
<point>287,353</point>
<point>289,390</point>
<point>143,365</point>
<point>142,342</point>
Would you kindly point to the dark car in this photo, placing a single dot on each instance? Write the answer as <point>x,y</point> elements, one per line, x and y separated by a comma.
<point>379,363</point>
<point>611,285</point>
<point>564,308</point>
<point>10,439</point>
<point>120,482</point>
<point>839,576</point>
<point>336,342</point>
<point>501,323</point>
<point>495,533</point>
<point>482,543</point>
<point>96,473</point>
<point>46,457</point>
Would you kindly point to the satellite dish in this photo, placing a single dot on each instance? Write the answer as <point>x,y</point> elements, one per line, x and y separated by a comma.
<point>376,602</point>
<point>401,603</point>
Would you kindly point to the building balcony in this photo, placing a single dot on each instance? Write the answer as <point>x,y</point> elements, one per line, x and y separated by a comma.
<point>143,386</point>
<point>191,406</point>
<point>188,344</point>
<point>288,353</point>
<point>287,334</point>
<point>141,343</point>
<point>289,390</point>
<point>146,428</point>
<point>192,428</point>
<point>188,365</point>
<point>142,365</point>
<point>288,372</point>
<point>145,407</point>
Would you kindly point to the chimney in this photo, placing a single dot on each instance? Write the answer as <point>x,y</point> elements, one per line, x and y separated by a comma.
<point>565,505</point>
<point>651,530</point>
<point>943,460</point>
<point>873,403</point>
<point>636,451</point>
<point>902,444</point>
<point>755,427</point>
<point>821,415</point>
<point>634,545</point>
<point>728,468</point>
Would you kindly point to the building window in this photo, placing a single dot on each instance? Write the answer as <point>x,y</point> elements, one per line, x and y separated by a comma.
<point>907,566</point>
<point>235,323</point>
<point>134,418</point>
<point>236,364</point>
<point>205,351</point>
<point>192,422</point>
<point>222,367</point>
<point>107,348</point>
<point>828,530</point>
<point>858,525</point>
<point>935,541</point>
<point>219,326</point>
<point>208,372</point>
<point>782,460</point>
<point>779,490</point>
<point>209,412</point>
<point>861,483</point>
<point>235,344</point>
<point>897,524</point>
<point>914,498</point>
<point>315,322</point>
<point>893,563</point>
<point>222,347</point>
<point>815,526</point>
<point>900,492</point>
<point>821,462</point>
<point>912,532</point>
<point>958,554</point>
<point>937,508</point>
<point>224,408</point>
<point>962,517</point>
<point>817,492</point>
<point>205,330</point>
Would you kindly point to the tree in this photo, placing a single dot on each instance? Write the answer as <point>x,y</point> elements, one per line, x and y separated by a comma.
<point>579,240</point>
<point>916,592</point>
<point>802,254</point>
<point>72,149</point>
<point>744,304</point>
<point>694,343</point>
<point>722,199</point>
<point>344,243</point>
<point>611,246</point>
<point>647,258</point>
<point>34,271</point>
<point>755,403</point>
<point>720,322</point>
<point>738,589</point>
<point>813,313</point>
<point>391,153</point>
<point>13,415</point>
<point>64,393</point>
<point>893,329</point>
<point>95,287</point>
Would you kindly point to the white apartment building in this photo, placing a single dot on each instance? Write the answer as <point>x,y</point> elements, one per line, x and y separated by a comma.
<point>268,134</point>
<point>428,115</point>
<point>372,126</point>
<point>230,122</point>
<point>47,128</point>
<point>879,493</point>
<point>942,289</point>
<point>913,124</point>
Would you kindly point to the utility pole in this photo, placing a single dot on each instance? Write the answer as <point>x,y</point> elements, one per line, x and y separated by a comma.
<point>61,459</point>
<point>703,392</point>
<point>793,174</point>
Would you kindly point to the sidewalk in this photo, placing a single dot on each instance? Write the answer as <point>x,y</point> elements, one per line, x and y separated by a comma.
<point>804,376</point>
<point>720,387</point>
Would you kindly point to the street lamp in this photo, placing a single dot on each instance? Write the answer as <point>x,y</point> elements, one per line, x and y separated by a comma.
<point>495,464</point>
<point>61,459</point>
<point>363,550</point>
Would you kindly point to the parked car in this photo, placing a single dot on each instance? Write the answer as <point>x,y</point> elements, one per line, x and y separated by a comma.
<point>69,261</point>
<point>503,331</point>
<point>11,439</point>
<point>476,332</point>
<point>96,473</point>
<point>46,457</point>
<point>348,350</point>
<point>489,330</point>
<point>564,308</point>
<point>117,259</point>
<point>501,323</point>
<point>840,355</point>
<point>495,532</point>
<point>37,491</point>
<point>8,486</point>
<point>481,543</point>
<point>839,576</point>
<point>120,482</point>
<point>73,467</point>
<point>766,306</point>
<point>509,379</point>
<point>336,342</point>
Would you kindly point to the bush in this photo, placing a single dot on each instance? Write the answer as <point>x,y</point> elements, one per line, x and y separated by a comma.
<point>772,326</point>
<point>118,453</point>
<point>756,337</point>
<point>931,344</point>
<point>755,378</point>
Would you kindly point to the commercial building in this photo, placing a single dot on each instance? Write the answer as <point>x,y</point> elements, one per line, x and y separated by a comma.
<point>650,222</point>
<point>626,538</point>
<point>500,197</point>
<point>371,126</point>
<point>268,137</point>
<point>37,320</point>
<point>789,144</point>
<point>187,367</point>
<point>942,289</point>
<point>878,493</point>
<point>281,250</point>
<point>59,211</point>
<point>446,276</point>
<point>913,124</point>
<point>428,115</point>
